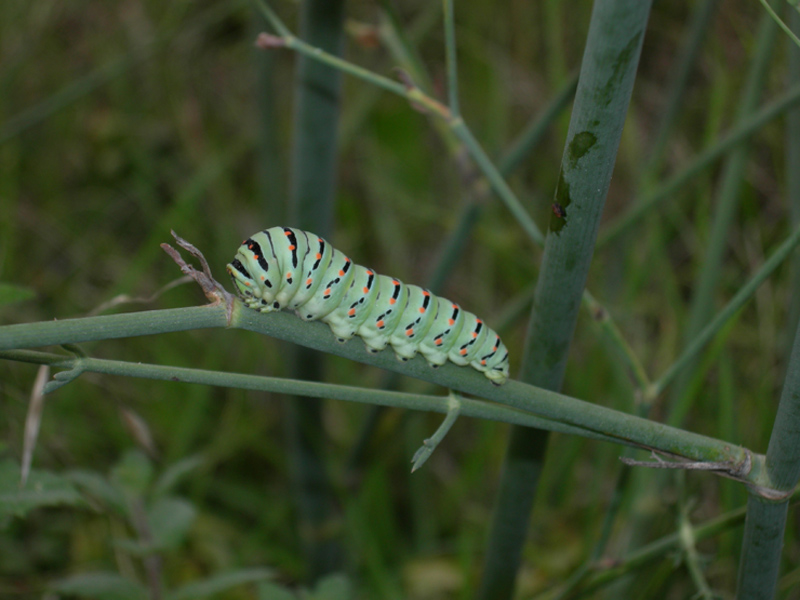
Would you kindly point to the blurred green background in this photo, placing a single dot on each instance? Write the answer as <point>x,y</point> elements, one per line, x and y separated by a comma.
<point>121,120</point>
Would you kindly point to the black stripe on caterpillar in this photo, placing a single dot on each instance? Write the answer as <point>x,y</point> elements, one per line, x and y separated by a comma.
<point>289,269</point>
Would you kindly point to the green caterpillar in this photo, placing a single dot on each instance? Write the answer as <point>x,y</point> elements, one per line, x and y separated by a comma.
<point>285,268</point>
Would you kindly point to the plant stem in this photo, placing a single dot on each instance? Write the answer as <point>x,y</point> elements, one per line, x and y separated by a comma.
<point>608,69</point>
<point>760,560</point>
<point>311,207</point>
<point>766,522</point>
<point>593,417</point>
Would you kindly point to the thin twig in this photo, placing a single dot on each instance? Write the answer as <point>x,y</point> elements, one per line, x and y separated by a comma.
<point>211,287</point>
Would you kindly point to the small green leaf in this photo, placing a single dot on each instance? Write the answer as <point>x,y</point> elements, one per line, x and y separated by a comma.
<point>170,519</point>
<point>101,586</point>
<point>222,582</point>
<point>10,293</point>
<point>41,489</point>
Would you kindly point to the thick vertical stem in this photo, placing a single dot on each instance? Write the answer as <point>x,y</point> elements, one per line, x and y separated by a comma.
<point>313,189</point>
<point>783,453</point>
<point>604,89</point>
<point>761,549</point>
<point>765,521</point>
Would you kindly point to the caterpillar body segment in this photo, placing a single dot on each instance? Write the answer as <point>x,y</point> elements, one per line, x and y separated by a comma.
<point>285,268</point>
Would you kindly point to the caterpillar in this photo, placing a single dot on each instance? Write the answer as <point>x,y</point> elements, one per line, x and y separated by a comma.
<point>284,268</point>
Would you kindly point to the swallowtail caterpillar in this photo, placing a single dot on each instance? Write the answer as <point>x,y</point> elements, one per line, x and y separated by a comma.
<point>284,268</point>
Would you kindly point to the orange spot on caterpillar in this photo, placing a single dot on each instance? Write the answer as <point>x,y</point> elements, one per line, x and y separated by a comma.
<point>341,273</point>
<point>478,321</point>
<point>292,247</point>
<point>394,281</point>
<point>463,351</point>
<point>327,292</point>
<point>451,321</point>
<point>455,306</point>
<point>308,281</point>
<point>319,255</point>
<point>426,293</point>
<point>438,342</point>
<point>494,348</point>
<point>365,289</point>
<point>287,233</point>
<point>263,278</point>
<point>474,335</point>
<point>289,275</point>
<point>422,309</point>
<point>392,301</point>
<point>379,323</point>
<point>256,256</point>
<point>247,283</point>
<point>483,362</point>
<point>370,273</point>
<point>351,312</point>
<point>409,332</point>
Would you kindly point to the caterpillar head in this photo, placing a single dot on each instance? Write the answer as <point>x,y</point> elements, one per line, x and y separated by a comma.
<point>253,276</point>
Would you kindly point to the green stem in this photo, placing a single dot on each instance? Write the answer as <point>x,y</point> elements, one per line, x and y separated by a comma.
<point>766,522</point>
<point>688,542</point>
<point>497,181</point>
<point>293,43</point>
<point>429,445</point>
<point>309,389</point>
<point>620,426</point>
<point>611,56</point>
<point>760,560</point>
<point>780,22</point>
